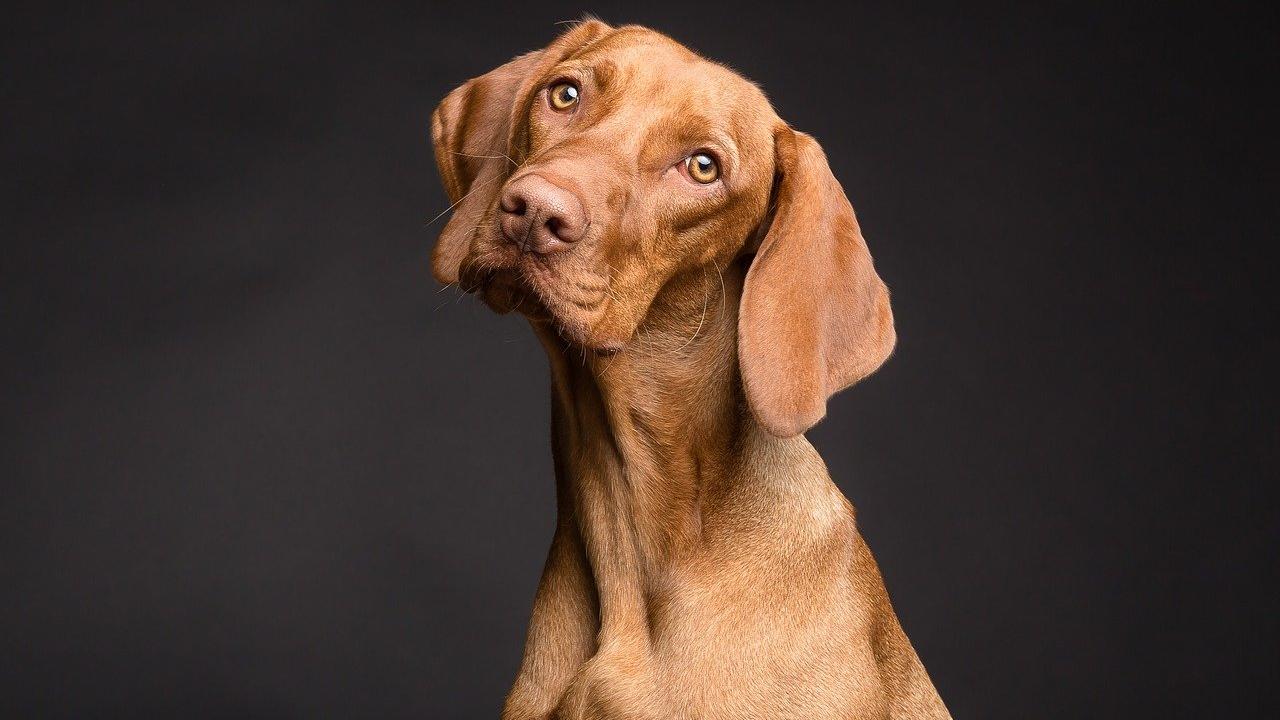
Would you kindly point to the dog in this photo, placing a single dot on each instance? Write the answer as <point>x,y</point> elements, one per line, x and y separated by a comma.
<point>701,286</point>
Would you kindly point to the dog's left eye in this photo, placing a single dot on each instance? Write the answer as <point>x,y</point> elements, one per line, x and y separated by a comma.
<point>563,96</point>
<point>702,168</point>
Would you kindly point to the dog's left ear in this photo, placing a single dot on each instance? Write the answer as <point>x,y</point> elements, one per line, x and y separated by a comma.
<point>471,130</point>
<point>814,316</point>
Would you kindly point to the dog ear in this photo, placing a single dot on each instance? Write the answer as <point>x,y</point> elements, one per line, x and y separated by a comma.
<point>814,316</point>
<point>472,129</point>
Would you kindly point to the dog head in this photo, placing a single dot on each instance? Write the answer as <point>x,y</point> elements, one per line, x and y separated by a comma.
<point>586,176</point>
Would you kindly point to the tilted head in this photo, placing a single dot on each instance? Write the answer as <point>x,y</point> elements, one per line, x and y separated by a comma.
<point>588,175</point>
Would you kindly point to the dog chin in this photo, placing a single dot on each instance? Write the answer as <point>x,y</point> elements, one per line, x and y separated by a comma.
<point>570,303</point>
<point>573,326</point>
<point>504,291</point>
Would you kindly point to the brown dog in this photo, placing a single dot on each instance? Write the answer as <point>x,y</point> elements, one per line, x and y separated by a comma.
<point>701,286</point>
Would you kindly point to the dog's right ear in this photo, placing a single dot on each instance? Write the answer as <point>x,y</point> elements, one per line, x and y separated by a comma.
<point>471,130</point>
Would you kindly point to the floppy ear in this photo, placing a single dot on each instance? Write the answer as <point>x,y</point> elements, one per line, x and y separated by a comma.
<point>814,316</point>
<point>472,130</point>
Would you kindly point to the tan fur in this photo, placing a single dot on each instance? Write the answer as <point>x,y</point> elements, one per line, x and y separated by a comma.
<point>704,566</point>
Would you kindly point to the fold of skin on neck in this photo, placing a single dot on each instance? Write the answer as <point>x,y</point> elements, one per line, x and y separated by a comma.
<point>647,438</point>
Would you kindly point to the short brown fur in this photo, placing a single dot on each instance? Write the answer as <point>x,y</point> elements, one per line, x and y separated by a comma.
<point>704,566</point>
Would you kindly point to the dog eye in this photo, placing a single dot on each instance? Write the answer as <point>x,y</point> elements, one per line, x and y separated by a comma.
<point>563,96</point>
<point>702,168</point>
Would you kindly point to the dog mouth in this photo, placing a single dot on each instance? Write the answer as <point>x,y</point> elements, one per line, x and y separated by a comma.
<point>571,302</point>
<point>504,291</point>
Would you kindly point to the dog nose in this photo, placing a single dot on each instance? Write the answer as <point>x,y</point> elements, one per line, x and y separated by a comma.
<point>540,216</point>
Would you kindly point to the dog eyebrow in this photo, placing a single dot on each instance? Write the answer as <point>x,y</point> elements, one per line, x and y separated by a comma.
<point>603,73</point>
<point>600,72</point>
<point>695,132</point>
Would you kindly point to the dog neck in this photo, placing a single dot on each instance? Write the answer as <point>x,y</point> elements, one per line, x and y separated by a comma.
<point>648,441</point>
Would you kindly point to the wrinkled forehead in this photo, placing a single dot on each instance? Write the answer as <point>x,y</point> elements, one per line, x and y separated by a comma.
<point>644,74</point>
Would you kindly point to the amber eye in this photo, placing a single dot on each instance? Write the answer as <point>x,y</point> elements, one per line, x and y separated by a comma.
<point>702,168</point>
<point>563,95</point>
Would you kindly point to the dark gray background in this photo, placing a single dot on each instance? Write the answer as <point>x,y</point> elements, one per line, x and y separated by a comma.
<point>256,465</point>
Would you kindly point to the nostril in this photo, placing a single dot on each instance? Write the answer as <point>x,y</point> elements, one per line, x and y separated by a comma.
<point>514,204</point>
<point>555,225</point>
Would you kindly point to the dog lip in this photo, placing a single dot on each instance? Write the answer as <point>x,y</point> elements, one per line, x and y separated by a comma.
<point>543,289</point>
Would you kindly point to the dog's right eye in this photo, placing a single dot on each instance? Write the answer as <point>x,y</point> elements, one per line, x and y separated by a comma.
<point>563,96</point>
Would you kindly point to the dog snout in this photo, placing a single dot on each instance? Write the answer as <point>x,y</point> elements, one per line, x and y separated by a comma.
<point>540,216</point>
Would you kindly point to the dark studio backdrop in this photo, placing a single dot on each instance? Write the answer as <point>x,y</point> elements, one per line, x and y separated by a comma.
<point>256,464</point>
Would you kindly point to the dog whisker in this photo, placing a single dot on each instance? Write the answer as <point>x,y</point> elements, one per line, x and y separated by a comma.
<point>499,156</point>
<point>723,293</point>
<point>464,197</point>
<point>702,319</point>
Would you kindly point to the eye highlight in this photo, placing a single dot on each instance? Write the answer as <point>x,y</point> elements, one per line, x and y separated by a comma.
<point>702,168</point>
<point>562,96</point>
